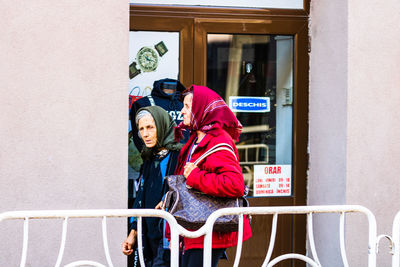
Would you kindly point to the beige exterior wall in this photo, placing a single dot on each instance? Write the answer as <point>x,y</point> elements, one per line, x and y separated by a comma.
<point>354,129</point>
<point>64,114</point>
<point>373,142</point>
<point>328,120</point>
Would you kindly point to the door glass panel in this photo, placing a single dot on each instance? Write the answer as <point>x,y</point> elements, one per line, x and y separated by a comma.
<point>254,74</point>
<point>153,55</point>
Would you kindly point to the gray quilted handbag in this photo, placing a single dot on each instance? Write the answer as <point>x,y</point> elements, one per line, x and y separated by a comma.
<point>191,207</point>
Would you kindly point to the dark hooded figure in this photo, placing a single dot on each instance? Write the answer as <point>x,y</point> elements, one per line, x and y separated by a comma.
<point>160,154</point>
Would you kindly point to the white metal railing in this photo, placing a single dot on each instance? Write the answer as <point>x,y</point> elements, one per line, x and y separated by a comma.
<point>206,230</point>
<point>395,241</point>
<point>68,214</point>
<point>309,211</point>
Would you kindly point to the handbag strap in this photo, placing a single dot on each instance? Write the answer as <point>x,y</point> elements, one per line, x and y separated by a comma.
<point>219,147</point>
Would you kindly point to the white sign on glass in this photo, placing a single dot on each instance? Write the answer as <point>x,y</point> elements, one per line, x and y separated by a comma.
<point>272,180</point>
<point>249,104</point>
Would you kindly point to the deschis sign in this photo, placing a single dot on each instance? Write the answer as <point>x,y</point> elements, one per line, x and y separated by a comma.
<point>249,104</point>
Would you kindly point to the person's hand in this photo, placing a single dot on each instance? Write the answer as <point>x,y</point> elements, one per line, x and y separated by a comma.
<point>159,206</point>
<point>188,169</point>
<point>127,246</point>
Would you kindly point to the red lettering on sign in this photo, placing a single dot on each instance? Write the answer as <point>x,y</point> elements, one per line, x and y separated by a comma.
<point>272,170</point>
<point>259,192</point>
<point>282,191</point>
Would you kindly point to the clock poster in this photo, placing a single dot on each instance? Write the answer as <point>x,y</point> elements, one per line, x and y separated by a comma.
<point>152,56</point>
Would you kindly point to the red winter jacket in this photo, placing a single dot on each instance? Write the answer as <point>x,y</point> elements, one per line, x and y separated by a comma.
<point>219,174</point>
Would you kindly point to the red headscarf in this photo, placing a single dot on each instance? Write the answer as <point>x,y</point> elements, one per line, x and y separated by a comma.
<point>210,113</point>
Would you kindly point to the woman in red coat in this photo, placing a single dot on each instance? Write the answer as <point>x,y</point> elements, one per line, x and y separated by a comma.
<point>210,122</point>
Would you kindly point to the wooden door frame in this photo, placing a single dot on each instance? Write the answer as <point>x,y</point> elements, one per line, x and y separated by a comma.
<point>194,23</point>
<point>298,29</point>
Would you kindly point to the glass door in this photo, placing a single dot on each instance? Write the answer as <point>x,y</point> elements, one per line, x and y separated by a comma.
<point>254,74</point>
<point>259,68</point>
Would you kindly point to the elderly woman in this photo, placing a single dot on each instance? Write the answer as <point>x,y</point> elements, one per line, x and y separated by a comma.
<point>210,122</point>
<point>159,154</point>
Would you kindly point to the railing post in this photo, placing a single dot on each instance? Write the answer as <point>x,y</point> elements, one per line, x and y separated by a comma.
<point>25,242</point>
<point>105,242</point>
<point>396,241</point>
<point>63,240</point>
<point>174,247</point>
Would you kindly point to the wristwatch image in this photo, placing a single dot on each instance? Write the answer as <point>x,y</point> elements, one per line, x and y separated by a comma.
<point>147,59</point>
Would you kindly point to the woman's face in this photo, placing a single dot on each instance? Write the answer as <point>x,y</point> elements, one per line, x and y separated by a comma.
<point>148,131</point>
<point>187,109</point>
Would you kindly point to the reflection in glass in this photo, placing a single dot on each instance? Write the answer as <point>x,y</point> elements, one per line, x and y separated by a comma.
<point>256,66</point>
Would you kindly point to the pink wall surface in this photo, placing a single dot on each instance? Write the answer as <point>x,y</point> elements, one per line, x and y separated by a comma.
<point>64,114</point>
<point>373,153</point>
<point>354,127</point>
<point>327,121</point>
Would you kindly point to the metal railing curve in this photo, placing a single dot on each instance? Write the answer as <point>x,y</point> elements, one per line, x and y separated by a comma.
<point>104,214</point>
<point>309,211</point>
<point>206,231</point>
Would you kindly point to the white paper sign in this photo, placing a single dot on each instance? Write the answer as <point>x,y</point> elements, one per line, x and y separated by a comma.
<point>272,180</point>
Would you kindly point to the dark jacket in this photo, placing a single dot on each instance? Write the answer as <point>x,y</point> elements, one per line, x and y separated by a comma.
<point>170,103</point>
<point>151,190</point>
